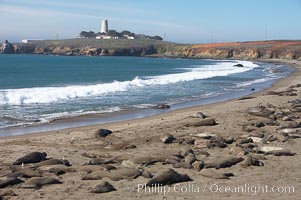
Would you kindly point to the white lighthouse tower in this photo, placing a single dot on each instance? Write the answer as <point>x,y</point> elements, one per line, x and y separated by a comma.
<point>104,26</point>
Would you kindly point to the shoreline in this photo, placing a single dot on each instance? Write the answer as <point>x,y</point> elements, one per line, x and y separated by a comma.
<point>87,120</point>
<point>137,145</point>
<point>159,112</point>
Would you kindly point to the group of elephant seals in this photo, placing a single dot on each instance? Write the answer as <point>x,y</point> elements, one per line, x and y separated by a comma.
<point>168,177</point>
<point>33,157</point>
<point>103,187</point>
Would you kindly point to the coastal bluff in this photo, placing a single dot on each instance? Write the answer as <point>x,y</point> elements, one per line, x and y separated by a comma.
<point>275,49</point>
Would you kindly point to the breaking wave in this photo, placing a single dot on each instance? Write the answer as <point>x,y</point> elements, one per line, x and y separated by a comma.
<point>41,95</point>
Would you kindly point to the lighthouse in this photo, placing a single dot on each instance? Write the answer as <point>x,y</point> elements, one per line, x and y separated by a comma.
<point>104,26</point>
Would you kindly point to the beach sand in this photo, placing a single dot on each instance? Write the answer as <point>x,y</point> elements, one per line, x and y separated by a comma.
<point>140,138</point>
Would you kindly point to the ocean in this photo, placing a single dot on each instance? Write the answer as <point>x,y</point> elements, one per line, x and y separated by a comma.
<point>36,89</point>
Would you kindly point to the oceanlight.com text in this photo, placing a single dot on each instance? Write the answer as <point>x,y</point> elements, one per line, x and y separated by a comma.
<point>249,189</point>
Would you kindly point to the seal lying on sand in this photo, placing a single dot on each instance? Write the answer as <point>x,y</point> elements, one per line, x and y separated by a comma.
<point>53,162</point>
<point>116,175</point>
<point>24,173</point>
<point>213,174</point>
<point>10,181</point>
<point>204,122</point>
<point>223,162</point>
<point>103,187</point>
<point>169,177</point>
<point>33,157</point>
<point>39,182</point>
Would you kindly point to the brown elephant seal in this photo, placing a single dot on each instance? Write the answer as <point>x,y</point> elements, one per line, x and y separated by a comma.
<point>251,161</point>
<point>25,173</point>
<point>198,165</point>
<point>281,153</point>
<point>33,157</point>
<point>53,162</point>
<point>223,162</point>
<point>168,177</point>
<point>199,115</point>
<point>205,122</point>
<point>101,133</point>
<point>115,175</point>
<point>147,174</point>
<point>10,181</point>
<point>39,182</point>
<point>167,138</point>
<point>103,187</point>
<point>213,174</point>
<point>189,158</point>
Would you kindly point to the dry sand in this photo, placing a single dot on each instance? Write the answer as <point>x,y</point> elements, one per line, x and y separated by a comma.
<point>141,138</point>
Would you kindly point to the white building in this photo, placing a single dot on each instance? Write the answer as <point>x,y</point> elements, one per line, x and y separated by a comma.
<point>30,40</point>
<point>104,26</point>
<point>129,37</point>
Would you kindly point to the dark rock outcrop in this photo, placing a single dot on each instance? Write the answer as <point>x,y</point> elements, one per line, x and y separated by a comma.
<point>7,48</point>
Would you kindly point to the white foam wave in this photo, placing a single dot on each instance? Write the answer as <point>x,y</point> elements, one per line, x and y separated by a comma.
<point>40,95</point>
<point>48,117</point>
<point>261,80</point>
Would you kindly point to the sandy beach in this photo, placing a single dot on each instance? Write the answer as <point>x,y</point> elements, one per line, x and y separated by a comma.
<point>243,149</point>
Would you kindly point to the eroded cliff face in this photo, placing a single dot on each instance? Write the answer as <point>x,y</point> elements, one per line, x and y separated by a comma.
<point>236,50</point>
<point>244,50</point>
<point>7,48</point>
<point>88,50</point>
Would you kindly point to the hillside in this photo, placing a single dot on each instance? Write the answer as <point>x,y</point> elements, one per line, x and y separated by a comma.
<point>286,49</point>
<point>247,50</point>
<point>94,47</point>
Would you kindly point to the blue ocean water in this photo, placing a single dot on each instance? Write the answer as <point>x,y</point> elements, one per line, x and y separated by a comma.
<point>38,89</point>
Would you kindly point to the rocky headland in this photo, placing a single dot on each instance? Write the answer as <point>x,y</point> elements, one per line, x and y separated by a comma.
<point>280,49</point>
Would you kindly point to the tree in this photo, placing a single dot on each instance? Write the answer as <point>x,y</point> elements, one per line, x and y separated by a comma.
<point>86,34</point>
<point>156,37</point>
<point>113,33</point>
<point>129,33</point>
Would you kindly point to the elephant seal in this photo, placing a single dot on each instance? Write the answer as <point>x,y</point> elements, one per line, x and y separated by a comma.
<point>101,133</point>
<point>281,153</point>
<point>168,177</point>
<point>39,182</point>
<point>103,187</point>
<point>198,165</point>
<point>223,162</point>
<point>251,161</point>
<point>10,181</point>
<point>199,115</point>
<point>190,158</point>
<point>53,162</point>
<point>147,174</point>
<point>167,138</point>
<point>213,174</point>
<point>116,175</point>
<point>24,173</point>
<point>205,122</point>
<point>33,157</point>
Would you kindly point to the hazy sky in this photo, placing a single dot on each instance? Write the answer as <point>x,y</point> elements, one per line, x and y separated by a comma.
<point>190,21</point>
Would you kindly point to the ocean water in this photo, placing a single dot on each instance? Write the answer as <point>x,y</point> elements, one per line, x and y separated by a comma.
<point>36,89</point>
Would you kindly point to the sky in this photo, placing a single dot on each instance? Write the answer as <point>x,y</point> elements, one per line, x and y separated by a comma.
<point>190,21</point>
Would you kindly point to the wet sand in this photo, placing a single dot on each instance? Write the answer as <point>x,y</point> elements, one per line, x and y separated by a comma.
<point>140,138</point>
